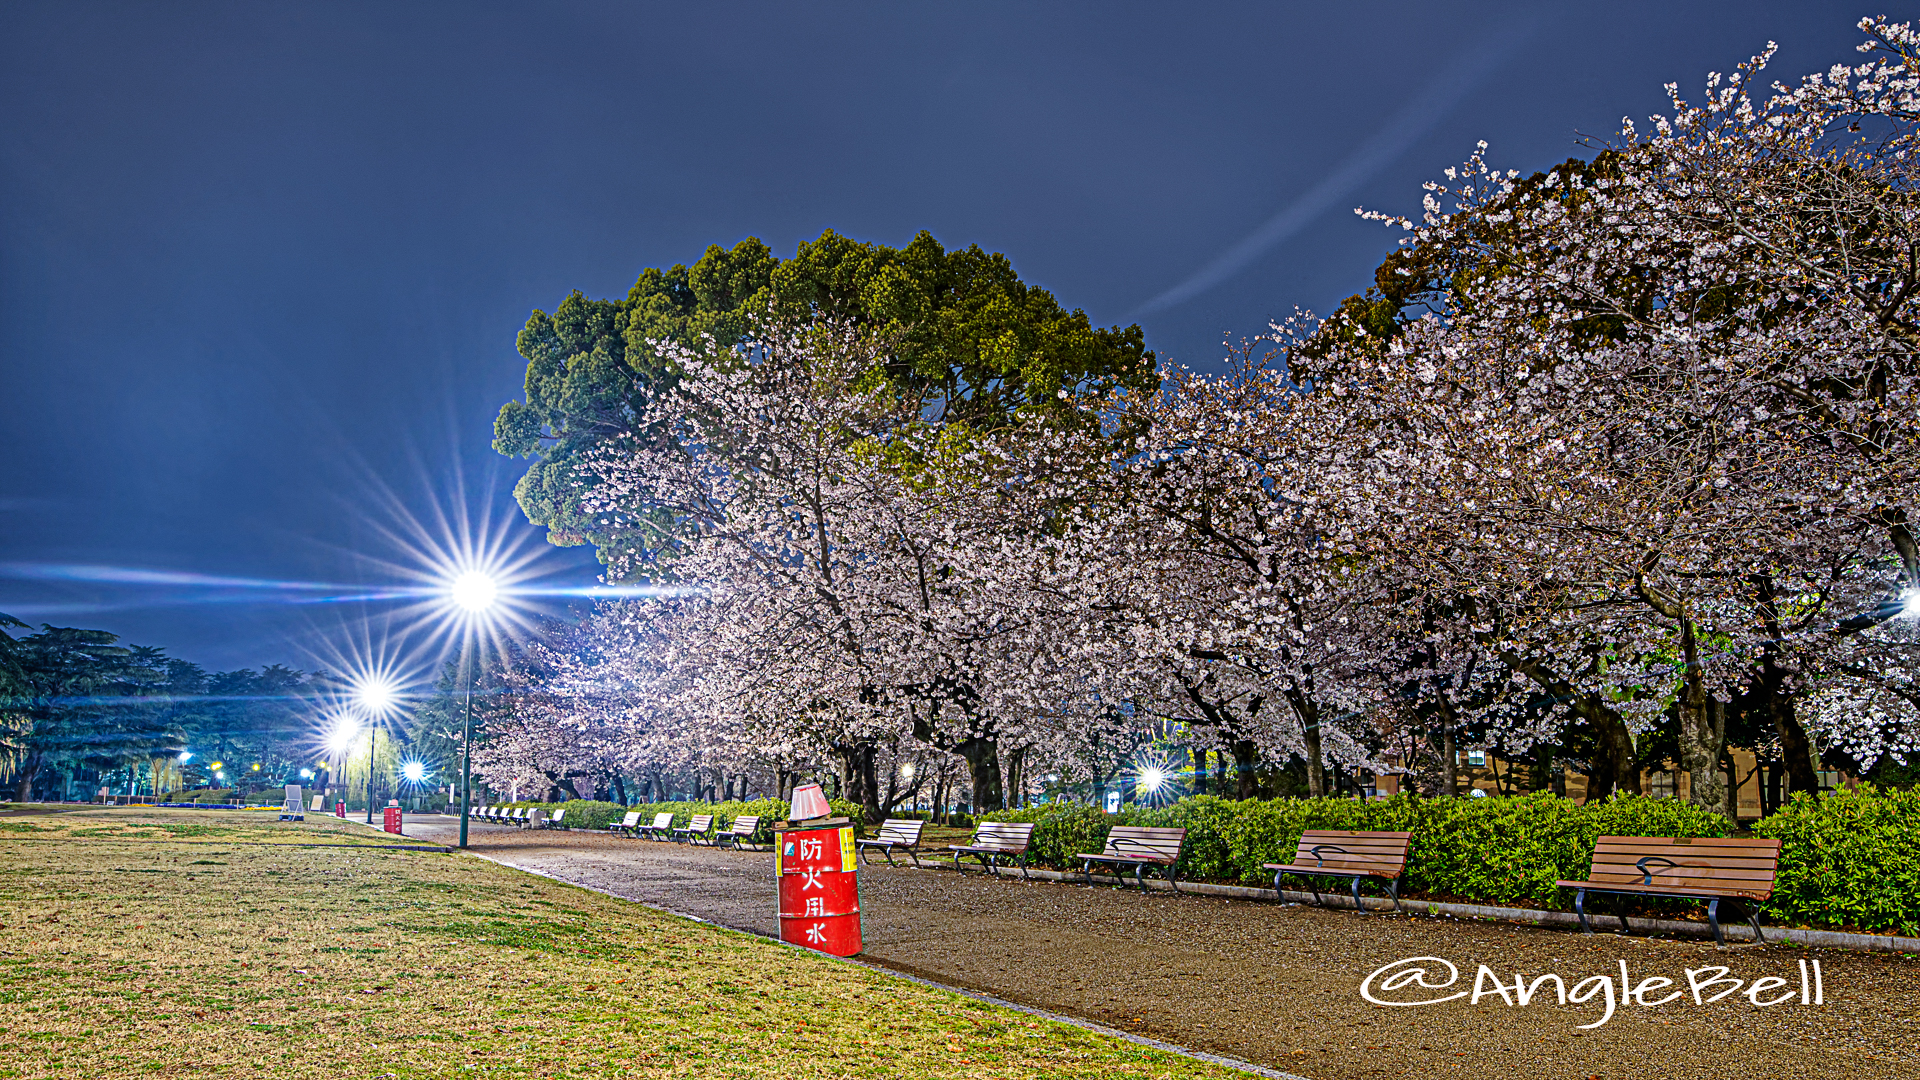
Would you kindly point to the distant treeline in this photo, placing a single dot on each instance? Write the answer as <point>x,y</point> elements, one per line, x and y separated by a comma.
<point>80,710</point>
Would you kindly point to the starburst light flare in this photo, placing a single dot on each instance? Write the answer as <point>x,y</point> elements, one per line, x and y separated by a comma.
<point>343,734</point>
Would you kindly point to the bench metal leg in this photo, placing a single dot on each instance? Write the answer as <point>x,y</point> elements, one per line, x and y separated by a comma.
<point>1753,920</point>
<point>1713,920</point>
<point>1086,870</point>
<point>1394,888</point>
<point>1140,876</point>
<point>1356,896</point>
<point>1580,909</point>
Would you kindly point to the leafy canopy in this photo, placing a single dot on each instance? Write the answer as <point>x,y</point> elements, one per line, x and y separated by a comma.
<point>976,346</point>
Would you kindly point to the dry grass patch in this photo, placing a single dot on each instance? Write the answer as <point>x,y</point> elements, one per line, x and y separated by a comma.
<point>182,943</point>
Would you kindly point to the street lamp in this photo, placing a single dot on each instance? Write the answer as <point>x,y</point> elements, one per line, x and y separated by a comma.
<point>376,696</point>
<point>473,592</point>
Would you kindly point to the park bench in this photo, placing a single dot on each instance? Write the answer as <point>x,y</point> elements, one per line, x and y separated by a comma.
<point>1138,847</point>
<point>662,824</point>
<point>996,840</point>
<point>896,834</point>
<point>626,825</point>
<point>517,816</point>
<point>490,814</point>
<point>558,820</point>
<point>1684,867</point>
<point>697,829</point>
<point>740,832</point>
<point>1356,856</point>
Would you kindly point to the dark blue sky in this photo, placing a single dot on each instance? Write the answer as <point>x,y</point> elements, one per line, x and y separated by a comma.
<point>260,261</point>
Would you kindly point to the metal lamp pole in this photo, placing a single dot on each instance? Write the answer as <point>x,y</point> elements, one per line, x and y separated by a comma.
<point>370,733</point>
<point>466,749</point>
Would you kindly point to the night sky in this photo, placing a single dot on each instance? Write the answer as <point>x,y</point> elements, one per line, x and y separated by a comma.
<point>261,265</point>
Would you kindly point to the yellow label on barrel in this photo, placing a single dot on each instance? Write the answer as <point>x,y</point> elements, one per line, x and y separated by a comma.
<point>847,863</point>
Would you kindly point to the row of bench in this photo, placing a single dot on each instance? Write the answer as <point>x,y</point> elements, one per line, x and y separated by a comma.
<point>523,816</point>
<point>699,829</point>
<point>1681,867</point>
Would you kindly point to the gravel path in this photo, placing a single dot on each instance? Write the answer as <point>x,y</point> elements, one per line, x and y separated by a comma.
<point>1279,984</point>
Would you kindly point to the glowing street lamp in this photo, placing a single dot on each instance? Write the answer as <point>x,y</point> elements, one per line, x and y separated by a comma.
<point>474,592</point>
<point>340,739</point>
<point>376,695</point>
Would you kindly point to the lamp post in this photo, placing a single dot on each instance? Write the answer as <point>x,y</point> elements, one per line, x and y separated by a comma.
<point>474,593</point>
<point>375,696</point>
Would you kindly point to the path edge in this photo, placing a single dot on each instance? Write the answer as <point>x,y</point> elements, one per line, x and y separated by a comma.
<point>976,995</point>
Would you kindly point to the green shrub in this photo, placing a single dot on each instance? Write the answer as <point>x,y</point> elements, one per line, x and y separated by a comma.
<point>1849,858</point>
<point>589,813</point>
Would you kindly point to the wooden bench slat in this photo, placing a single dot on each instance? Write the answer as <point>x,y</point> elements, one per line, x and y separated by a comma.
<point>993,840</point>
<point>1679,890</point>
<point>1138,846</point>
<point>1353,854</point>
<point>1703,868</point>
<point>1657,870</point>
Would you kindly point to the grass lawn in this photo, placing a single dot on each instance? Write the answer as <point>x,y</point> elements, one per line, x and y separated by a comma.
<point>181,943</point>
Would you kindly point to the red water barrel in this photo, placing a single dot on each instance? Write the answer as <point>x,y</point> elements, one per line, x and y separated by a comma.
<point>818,881</point>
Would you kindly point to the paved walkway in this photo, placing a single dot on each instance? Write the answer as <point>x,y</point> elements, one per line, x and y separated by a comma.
<point>1278,984</point>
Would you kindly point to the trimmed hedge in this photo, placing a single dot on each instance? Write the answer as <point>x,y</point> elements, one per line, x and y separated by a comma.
<point>588,814</point>
<point>1850,858</point>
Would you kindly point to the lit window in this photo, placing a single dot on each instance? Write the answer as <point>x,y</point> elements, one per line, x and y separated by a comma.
<point>1477,758</point>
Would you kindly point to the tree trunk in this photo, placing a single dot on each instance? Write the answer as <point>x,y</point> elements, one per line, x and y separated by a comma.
<point>1449,755</point>
<point>1316,768</point>
<point>1245,757</point>
<point>619,789</point>
<point>983,762</point>
<point>861,779</point>
<point>1796,750</point>
<point>28,772</point>
<point>1306,708</point>
<point>1199,756</point>
<point>1539,769</point>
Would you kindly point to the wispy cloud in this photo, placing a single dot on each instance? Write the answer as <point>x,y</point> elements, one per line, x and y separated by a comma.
<point>1462,76</point>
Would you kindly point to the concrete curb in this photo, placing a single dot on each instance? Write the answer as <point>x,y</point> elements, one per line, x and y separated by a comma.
<point>1826,939</point>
